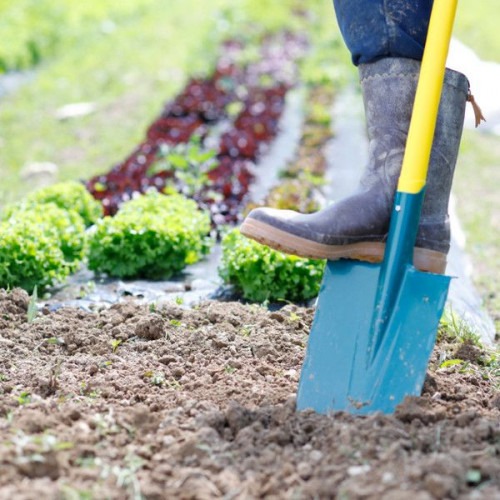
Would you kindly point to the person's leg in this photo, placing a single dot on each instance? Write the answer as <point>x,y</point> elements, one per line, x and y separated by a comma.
<point>373,29</point>
<point>356,227</point>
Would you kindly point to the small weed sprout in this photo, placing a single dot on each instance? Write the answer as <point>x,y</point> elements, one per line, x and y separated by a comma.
<point>105,365</point>
<point>126,477</point>
<point>115,343</point>
<point>155,378</point>
<point>158,379</point>
<point>83,388</point>
<point>50,341</point>
<point>106,424</point>
<point>247,330</point>
<point>24,398</point>
<point>69,493</point>
<point>42,444</point>
<point>450,362</point>
<point>86,462</point>
<point>179,301</point>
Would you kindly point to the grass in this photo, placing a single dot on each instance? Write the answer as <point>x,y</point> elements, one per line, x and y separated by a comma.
<point>127,73</point>
<point>453,329</point>
<point>477,175</point>
<point>476,186</point>
<point>33,30</point>
<point>476,25</point>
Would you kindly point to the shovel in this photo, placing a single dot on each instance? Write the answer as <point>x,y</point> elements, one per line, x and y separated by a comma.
<point>375,324</point>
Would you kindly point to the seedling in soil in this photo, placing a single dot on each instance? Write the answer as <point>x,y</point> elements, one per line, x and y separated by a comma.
<point>85,391</point>
<point>86,462</point>
<point>126,477</point>
<point>70,493</point>
<point>24,398</point>
<point>83,388</point>
<point>451,362</point>
<point>106,424</point>
<point>175,322</point>
<point>230,369</point>
<point>490,367</point>
<point>157,379</point>
<point>94,394</point>
<point>247,330</point>
<point>32,309</point>
<point>43,444</point>
<point>50,341</point>
<point>115,343</point>
<point>179,301</point>
<point>152,307</point>
<point>105,365</point>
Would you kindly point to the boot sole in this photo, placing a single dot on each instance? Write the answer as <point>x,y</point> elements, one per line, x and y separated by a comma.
<point>368,251</point>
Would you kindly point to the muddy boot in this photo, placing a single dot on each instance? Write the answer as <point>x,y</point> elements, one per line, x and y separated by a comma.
<point>357,226</point>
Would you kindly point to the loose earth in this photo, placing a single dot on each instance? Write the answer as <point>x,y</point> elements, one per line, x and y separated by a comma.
<point>162,401</point>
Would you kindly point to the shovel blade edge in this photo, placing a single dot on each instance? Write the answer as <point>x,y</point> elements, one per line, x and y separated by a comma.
<point>337,373</point>
<point>341,322</point>
<point>400,366</point>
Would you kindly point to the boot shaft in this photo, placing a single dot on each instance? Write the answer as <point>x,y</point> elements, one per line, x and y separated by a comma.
<point>389,87</point>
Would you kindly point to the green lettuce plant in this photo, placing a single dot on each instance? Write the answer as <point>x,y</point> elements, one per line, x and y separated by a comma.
<point>40,247</point>
<point>70,196</point>
<point>153,236</point>
<point>262,273</point>
<point>65,227</point>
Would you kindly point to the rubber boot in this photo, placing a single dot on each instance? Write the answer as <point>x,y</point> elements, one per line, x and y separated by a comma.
<point>356,227</point>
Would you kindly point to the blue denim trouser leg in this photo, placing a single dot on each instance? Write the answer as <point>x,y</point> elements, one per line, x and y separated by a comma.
<point>383,28</point>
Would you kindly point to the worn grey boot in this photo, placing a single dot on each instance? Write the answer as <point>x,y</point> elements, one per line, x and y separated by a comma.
<point>357,226</point>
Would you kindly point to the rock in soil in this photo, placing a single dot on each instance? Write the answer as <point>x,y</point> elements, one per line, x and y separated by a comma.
<point>199,404</point>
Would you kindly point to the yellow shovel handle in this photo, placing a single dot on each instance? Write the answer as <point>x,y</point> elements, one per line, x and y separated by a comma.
<point>425,108</point>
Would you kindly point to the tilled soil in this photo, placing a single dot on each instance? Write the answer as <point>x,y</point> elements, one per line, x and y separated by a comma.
<point>164,402</point>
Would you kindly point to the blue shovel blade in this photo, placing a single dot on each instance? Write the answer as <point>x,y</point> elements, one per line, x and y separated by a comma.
<point>338,372</point>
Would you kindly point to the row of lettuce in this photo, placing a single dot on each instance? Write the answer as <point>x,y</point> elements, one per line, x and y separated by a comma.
<point>55,230</point>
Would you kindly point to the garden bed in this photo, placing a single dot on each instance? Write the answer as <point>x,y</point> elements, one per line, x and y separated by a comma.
<point>167,402</point>
<point>156,400</point>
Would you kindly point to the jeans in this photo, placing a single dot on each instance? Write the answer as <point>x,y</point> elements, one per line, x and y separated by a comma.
<point>373,29</point>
